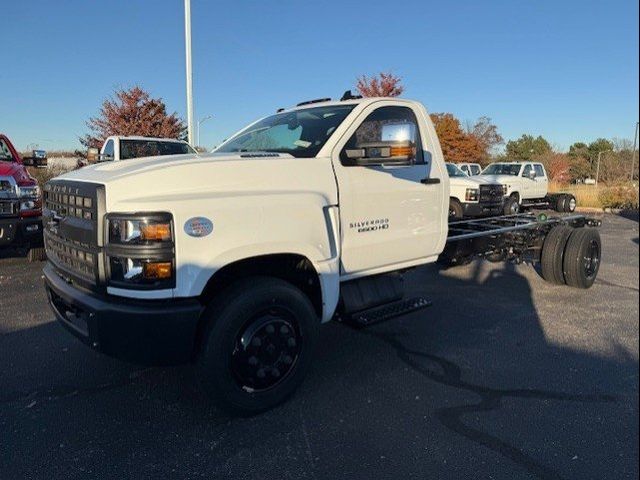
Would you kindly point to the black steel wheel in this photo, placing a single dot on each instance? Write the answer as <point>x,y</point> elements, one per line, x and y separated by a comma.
<point>266,350</point>
<point>257,346</point>
<point>582,257</point>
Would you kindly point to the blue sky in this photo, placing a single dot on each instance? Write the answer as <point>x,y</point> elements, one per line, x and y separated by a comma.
<point>567,70</point>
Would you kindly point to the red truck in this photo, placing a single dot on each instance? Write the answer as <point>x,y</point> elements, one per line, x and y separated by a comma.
<point>20,204</point>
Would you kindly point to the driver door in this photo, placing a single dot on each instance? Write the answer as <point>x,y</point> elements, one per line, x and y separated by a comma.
<point>390,215</point>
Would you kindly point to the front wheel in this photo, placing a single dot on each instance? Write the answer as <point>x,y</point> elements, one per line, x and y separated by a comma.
<point>258,345</point>
<point>511,206</point>
<point>455,210</point>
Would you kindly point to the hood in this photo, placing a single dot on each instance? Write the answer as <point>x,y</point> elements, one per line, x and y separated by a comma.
<point>470,182</point>
<point>161,180</point>
<point>17,171</point>
<point>501,179</point>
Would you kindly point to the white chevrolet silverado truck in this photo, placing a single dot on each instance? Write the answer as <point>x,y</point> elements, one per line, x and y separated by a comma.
<point>526,184</point>
<point>472,197</point>
<point>232,260</point>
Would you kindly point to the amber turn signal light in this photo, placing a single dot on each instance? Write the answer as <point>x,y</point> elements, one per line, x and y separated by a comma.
<point>156,231</point>
<point>157,270</point>
<point>402,152</point>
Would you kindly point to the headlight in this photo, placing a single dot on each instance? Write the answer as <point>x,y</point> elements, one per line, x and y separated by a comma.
<point>29,198</point>
<point>29,192</point>
<point>140,251</point>
<point>472,195</point>
<point>139,231</point>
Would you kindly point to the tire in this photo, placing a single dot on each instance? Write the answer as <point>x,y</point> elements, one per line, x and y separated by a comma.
<point>582,257</point>
<point>561,200</point>
<point>245,366</point>
<point>511,205</point>
<point>552,257</point>
<point>36,254</point>
<point>569,203</point>
<point>455,209</point>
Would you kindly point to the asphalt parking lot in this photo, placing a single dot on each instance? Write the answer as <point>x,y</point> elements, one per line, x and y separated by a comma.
<point>504,377</point>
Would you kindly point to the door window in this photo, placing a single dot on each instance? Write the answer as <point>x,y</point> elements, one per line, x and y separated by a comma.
<point>475,170</point>
<point>5,153</point>
<point>383,125</point>
<point>108,150</point>
<point>539,170</point>
<point>527,170</point>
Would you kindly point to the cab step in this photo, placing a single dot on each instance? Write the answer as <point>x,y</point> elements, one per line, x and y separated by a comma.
<point>381,313</point>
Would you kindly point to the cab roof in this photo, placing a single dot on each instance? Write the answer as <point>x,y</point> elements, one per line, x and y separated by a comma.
<point>155,139</point>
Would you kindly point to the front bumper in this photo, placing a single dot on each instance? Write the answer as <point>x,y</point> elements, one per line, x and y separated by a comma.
<point>150,332</point>
<point>482,209</point>
<point>20,231</point>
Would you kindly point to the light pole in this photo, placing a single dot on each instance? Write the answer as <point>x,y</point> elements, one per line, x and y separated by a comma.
<point>187,44</point>
<point>633,155</point>
<point>598,167</point>
<point>201,121</point>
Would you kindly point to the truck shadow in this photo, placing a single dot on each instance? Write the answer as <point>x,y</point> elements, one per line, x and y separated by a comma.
<point>482,338</point>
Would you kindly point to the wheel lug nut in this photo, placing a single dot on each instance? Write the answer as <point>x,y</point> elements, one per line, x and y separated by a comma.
<point>284,330</point>
<point>256,342</point>
<point>275,372</point>
<point>253,361</point>
<point>287,359</point>
<point>291,342</point>
<point>261,373</point>
<point>270,329</point>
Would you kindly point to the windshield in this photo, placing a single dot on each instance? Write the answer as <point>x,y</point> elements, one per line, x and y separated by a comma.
<point>5,153</point>
<point>454,171</point>
<point>151,148</point>
<point>301,133</point>
<point>502,169</point>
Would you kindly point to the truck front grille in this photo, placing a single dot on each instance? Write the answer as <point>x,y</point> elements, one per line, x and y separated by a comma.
<point>72,257</point>
<point>491,193</point>
<point>72,230</point>
<point>7,208</point>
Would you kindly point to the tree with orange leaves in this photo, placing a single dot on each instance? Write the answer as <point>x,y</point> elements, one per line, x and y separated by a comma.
<point>457,145</point>
<point>133,112</point>
<point>382,85</point>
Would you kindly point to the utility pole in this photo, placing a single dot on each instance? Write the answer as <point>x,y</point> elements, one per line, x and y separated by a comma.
<point>202,120</point>
<point>187,43</point>
<point>633,155</point>
<point>598,167</point>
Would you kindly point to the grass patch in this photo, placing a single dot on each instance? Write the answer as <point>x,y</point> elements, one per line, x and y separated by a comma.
<point>622,195</point>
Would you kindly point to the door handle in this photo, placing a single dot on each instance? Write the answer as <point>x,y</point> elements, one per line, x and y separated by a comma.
<point>430,181</point>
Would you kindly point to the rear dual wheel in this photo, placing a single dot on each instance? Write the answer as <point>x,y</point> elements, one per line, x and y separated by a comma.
<point>566,203</point>
<point>571,256</point>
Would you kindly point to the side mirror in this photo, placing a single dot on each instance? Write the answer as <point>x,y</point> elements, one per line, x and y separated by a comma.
<point>93,154</point>
<point>383,153</point>
<point>532,174</point>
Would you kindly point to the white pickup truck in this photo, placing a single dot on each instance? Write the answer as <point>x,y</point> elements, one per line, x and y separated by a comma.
<point>117,147</point>
<point>232,260</point>
<point>526,184</point>
<point>472,197</point>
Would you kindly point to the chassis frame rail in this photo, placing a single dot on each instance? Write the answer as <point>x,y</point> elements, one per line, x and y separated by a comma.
<point>516,237</point>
